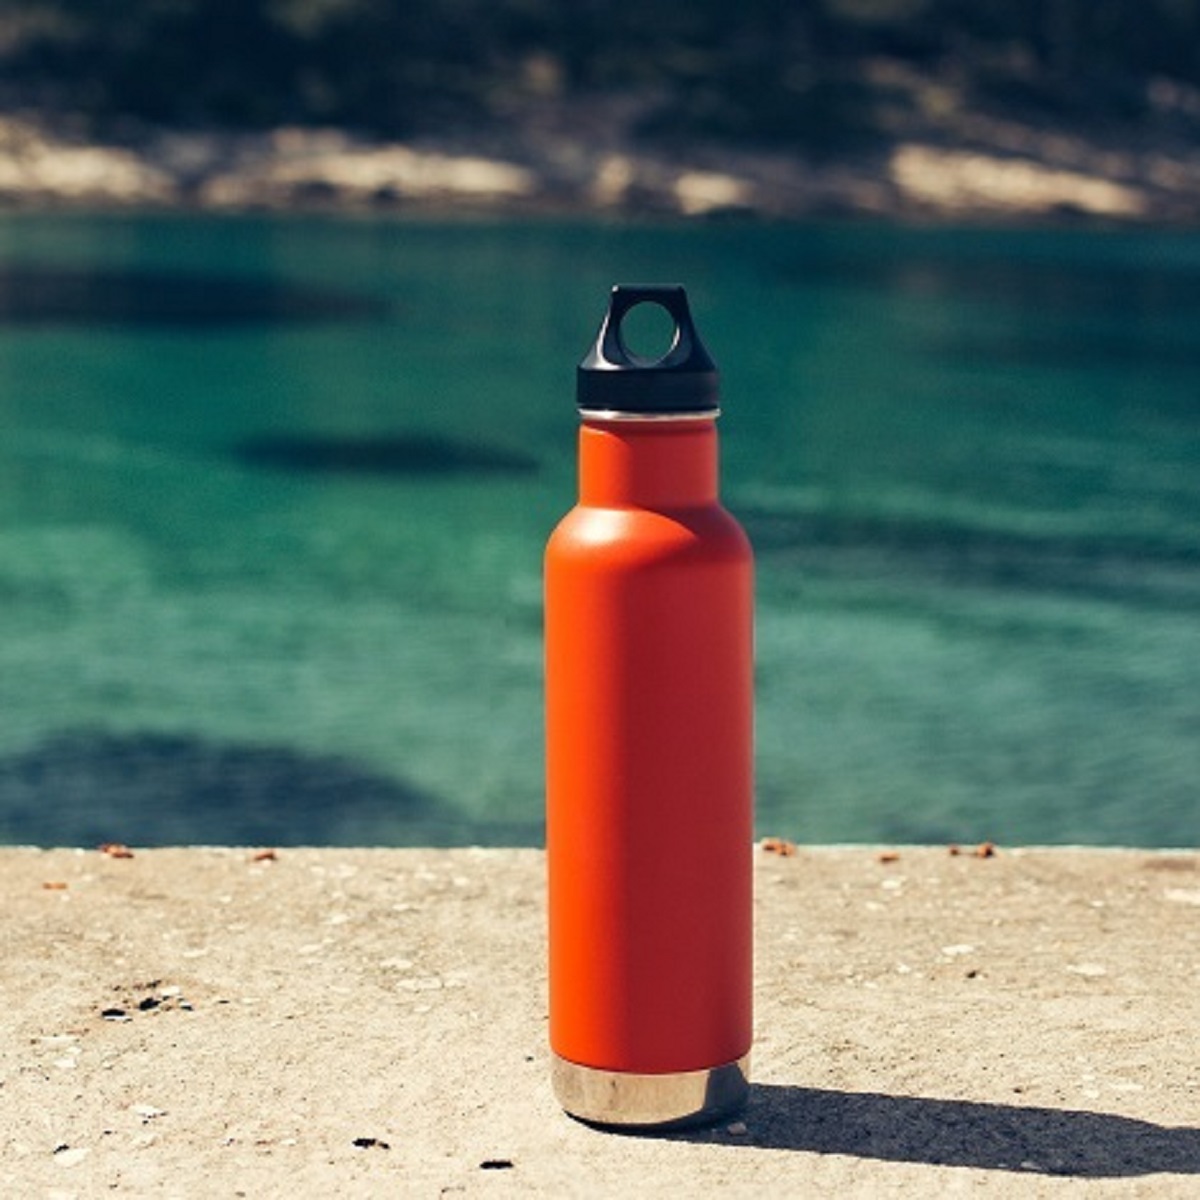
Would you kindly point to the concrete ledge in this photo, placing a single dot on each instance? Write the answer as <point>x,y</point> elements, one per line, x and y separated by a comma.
<point>372,1023</point>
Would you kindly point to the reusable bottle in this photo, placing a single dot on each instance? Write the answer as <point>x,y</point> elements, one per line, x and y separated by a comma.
<point>649,733</point>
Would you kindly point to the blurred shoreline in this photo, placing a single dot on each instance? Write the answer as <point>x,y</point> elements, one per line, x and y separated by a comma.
<point>584,159</point>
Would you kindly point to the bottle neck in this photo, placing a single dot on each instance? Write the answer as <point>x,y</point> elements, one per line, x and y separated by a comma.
<point>647,464</point>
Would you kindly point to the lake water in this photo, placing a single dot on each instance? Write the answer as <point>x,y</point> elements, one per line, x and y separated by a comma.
<point>274,492</point>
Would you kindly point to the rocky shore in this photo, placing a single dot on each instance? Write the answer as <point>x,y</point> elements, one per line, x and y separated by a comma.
<point>584,162</point>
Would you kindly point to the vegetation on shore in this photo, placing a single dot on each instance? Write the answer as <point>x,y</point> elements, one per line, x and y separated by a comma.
<point>767,71</point>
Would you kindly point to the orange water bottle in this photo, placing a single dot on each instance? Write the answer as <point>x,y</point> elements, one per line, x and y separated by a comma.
<point>649,732</point>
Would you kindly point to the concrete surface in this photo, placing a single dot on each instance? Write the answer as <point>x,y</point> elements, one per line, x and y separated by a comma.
<point>212,1022</point>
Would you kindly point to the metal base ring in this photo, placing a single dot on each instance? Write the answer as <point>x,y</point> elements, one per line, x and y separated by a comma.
<point>650,1101</point>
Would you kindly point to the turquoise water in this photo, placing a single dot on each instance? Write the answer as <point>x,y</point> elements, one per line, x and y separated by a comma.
<point>273,495</point>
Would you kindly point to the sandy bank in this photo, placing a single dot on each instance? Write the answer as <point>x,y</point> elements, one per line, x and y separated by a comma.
<point>366,1023</point>
<point>989,170</point>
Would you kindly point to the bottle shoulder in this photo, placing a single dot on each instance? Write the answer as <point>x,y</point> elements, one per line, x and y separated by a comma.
<point>706,531</point>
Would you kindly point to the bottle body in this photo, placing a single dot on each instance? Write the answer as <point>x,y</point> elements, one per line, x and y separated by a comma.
<point>649,711</point>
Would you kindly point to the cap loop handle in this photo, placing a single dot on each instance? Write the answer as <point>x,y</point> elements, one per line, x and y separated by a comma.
<point>613,377</point>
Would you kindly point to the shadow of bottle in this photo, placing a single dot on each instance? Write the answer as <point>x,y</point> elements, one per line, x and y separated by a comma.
<point>957,1133</point>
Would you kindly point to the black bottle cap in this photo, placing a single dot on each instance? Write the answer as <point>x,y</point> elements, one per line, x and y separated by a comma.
<point>612,378</point>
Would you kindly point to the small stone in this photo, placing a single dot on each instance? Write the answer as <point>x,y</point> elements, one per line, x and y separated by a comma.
<point>738,1129</point>
<point>780,846</point>
<point>429,983</point>
<point>397,964</point>
<point>116,1014</point>
<point>958,950</point>
<point>70,1156</point>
